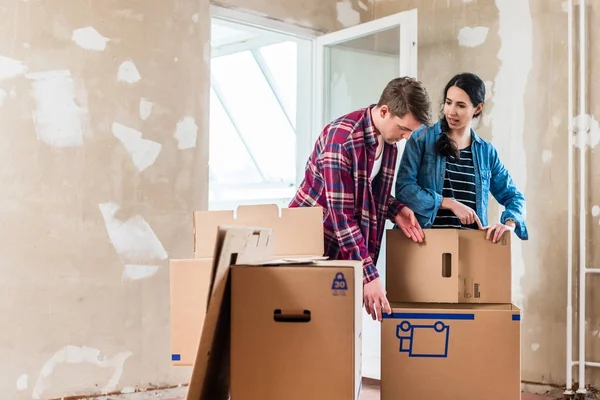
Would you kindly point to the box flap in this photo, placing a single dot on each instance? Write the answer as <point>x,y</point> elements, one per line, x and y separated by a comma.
<point>210,375</point>
<point>308,220</point>
<point>485,267</point>
<point>437,276</point>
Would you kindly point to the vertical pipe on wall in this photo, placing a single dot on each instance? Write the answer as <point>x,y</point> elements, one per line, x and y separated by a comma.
<point>582,194</point>
<point>569,345</point>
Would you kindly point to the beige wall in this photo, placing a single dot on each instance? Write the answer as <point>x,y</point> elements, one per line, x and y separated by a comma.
<point>75,207</point>
<point>77,210</point>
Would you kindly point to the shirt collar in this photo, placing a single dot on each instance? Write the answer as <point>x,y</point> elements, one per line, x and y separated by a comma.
<point>369,128</point>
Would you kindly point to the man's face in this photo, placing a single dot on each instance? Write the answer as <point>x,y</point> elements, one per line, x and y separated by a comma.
<point>393,128</point>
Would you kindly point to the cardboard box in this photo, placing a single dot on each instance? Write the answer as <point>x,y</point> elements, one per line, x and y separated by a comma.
<point>297,232</point>
<point>296,331</point>
<point>451,352</point>
<point>450,266</point>
<point>210,375</point>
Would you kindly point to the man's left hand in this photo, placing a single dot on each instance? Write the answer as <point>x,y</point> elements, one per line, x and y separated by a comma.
<point>408,223</point>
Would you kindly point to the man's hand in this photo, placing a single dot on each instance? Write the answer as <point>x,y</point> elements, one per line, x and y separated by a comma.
<point>375,299</point>
<point>495,232</point>
<point>408,223</point>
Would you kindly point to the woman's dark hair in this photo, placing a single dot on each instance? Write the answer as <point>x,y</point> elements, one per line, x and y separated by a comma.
<point>475,89</point>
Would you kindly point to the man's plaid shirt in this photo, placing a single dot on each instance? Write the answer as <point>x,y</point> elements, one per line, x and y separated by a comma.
<point>337,178</point>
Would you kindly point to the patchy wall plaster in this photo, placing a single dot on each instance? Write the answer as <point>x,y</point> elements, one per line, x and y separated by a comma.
<point>61,109</point>
<point>77,301</point>
<point>89,38</point>
<point>508,110</point>
<point>472,36</point>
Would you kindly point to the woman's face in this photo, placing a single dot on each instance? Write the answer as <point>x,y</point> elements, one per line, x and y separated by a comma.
<point>458,109</point>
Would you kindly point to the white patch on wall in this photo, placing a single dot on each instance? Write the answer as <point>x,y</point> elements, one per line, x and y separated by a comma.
<point>591,130</point>
<point>145,109</point>
<point>556,121</point>
<point>467,1</point>
<point>143,152</point>
<point>489,85</point>
<point>346,15</point>
<point>128,389</point>
<point>596,211</point>
<point>535,347</point>
<point>82,355</point>
<point>508,112</point>
<point>186,133</point>
<point>22,382</point>
<point>3,95</point>
<point>363,6</point>
<point>128,72</point>
<point>10,68</point>
<point>61,119</point>
<point>472,36</point>
<point>134,241</point>
<point>195,18</point>
<point>547,156</point>
<point>89,38</point>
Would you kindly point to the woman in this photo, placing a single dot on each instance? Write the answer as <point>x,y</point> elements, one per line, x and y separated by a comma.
<point>447,171</point>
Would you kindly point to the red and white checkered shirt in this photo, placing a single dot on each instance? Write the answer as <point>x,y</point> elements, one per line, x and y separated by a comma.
<point>337,178</point>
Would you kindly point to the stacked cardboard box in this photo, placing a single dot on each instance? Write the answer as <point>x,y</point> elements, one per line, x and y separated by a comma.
<point>454,333</point>
<point>259,313</point>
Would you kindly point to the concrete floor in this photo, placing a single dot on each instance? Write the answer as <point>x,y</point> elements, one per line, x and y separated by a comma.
<point>369,392</point>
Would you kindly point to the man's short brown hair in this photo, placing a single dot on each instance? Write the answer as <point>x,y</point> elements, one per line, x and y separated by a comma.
<point>406,95</point>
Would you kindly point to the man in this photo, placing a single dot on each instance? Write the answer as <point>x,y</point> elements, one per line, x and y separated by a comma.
<point>350,174</point>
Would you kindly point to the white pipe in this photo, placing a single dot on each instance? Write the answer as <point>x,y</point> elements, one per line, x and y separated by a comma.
<point>569,386</point>
<point>582,195</point>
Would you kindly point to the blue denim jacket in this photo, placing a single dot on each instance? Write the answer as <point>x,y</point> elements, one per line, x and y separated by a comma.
<point>420,180</point>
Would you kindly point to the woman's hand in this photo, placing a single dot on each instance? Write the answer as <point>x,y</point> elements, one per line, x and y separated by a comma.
<point>495,232</point>
<point>465,214</point>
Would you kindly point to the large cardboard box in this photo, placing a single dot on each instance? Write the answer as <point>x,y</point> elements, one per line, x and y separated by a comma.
<point>297,232</point>
<point>450,266</point>
<point>451,352</point>
<point>296,331</point>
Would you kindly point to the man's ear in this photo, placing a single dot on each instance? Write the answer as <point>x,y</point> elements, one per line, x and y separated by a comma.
<point>383,111</point>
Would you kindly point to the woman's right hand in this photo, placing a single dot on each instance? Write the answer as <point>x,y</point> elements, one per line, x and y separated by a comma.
<point>465,214</point>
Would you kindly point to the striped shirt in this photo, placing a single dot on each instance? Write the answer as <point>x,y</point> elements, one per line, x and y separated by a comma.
<point>337,178</point>
<point>459,184</point>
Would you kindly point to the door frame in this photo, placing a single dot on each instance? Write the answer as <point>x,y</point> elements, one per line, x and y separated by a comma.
<point>407,21</point>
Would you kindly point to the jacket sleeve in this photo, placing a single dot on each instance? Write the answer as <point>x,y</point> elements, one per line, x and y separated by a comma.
<point>422,201</point>
<point>336,169</point>
<point>508,195</point>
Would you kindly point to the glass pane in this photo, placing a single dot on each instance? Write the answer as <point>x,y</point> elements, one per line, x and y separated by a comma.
<point>281,58</point>
<point>257,113</point>
<point>230,163</point>
<point>359,69</point>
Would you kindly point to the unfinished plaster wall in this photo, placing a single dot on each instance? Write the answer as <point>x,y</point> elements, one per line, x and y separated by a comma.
<point>519,48</point>
<point>319,15</point>
<point>104,157</point>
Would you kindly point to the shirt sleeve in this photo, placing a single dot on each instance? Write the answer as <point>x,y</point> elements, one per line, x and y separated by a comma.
<point>394,207</point>
<point>336,169</point>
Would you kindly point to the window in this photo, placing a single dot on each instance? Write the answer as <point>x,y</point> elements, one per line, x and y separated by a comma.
<point>253,116</point>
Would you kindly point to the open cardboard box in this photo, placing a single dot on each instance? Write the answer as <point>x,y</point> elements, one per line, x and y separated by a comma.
<point>293,321</point>
<point>450,266</point>
<point>297,232</point>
